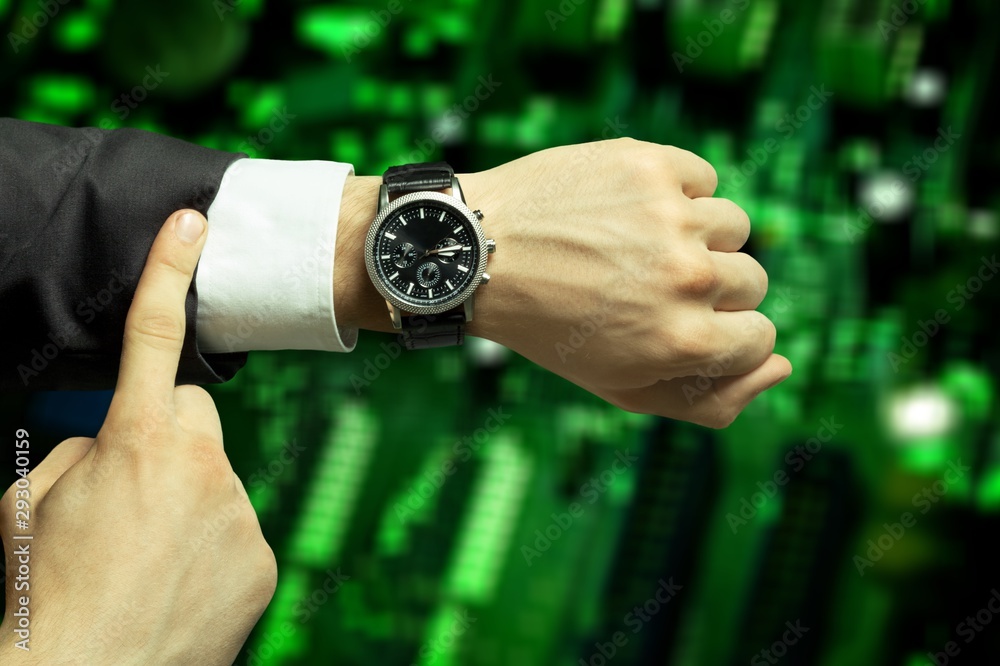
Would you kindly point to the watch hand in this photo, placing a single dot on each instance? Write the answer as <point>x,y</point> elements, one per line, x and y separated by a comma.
<point>441,250</point>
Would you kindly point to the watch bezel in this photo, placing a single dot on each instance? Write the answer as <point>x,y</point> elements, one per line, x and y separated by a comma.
<point>461,210</point>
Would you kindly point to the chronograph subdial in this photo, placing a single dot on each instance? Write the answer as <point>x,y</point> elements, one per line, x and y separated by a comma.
<point>447,256</point>
<point>428,274</point>
<point>404,255</point>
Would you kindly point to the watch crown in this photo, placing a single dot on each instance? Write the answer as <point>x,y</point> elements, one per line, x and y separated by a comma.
<point>486,278</point>
<point>479,214</point>
<point>491,246</point>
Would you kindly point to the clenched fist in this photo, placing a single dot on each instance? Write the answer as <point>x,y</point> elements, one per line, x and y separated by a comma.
<point>622,241</point>
<point>616,269</point>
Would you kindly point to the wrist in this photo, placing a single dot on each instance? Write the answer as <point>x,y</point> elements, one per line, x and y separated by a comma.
<point>481,192</point>
<point>356,302</point>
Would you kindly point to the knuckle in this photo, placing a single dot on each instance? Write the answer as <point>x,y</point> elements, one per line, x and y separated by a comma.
<point>161,329</point>
<point>210,463</point>
<point>174,264</point>
<point>195,394</point>
<point>760,274</point>
<point>722,416</point>
<point>265,571</point>
<point>705,173</point>
<point>718,420</point>
<point>688,341</point>
<point>645,172</point>
<point>697,277</point>
<point>764,329</point>
<point>626,142</point>
<point>711,177</point>
<point>742,223</point>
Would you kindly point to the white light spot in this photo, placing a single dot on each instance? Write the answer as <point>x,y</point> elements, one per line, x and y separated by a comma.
<point>926,88</point>
<point>921,412</point>
<point>486,352</point>
<point>886,195</point>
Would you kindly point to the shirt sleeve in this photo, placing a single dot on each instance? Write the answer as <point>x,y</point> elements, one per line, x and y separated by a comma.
<point>265,279</point>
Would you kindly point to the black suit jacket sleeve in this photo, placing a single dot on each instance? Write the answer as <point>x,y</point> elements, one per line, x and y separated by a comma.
<point>79,209</point>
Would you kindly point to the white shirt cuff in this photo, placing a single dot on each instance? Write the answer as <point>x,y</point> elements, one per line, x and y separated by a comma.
<point>265,280</point>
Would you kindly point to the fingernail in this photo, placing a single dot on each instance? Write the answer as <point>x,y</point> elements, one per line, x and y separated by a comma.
<point>189,228</point>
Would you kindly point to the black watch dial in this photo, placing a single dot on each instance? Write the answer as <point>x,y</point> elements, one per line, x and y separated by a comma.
<point>425,253</point>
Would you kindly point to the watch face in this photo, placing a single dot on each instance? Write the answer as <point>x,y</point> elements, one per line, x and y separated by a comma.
<point>425,252</point>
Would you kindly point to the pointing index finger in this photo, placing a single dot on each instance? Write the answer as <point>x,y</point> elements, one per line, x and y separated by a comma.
<point>156,323</point>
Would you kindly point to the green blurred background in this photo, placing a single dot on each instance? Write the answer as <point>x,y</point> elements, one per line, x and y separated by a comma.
<point>848,517</point>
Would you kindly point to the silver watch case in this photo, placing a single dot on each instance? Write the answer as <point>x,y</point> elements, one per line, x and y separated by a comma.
<point>461,210</point>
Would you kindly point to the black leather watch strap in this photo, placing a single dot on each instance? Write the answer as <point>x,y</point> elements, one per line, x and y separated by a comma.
<point>441,330</point>
<point>426,331</point>
<point>418,177</point>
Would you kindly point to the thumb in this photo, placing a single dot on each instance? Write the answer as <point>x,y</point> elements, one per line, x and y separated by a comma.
<point>41,479</point>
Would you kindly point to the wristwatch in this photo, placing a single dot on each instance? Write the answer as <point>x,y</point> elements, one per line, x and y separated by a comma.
<point>426,253</point>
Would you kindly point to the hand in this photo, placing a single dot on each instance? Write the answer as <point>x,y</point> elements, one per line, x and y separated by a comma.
<point>616,270</point>
<point>145,546</point>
